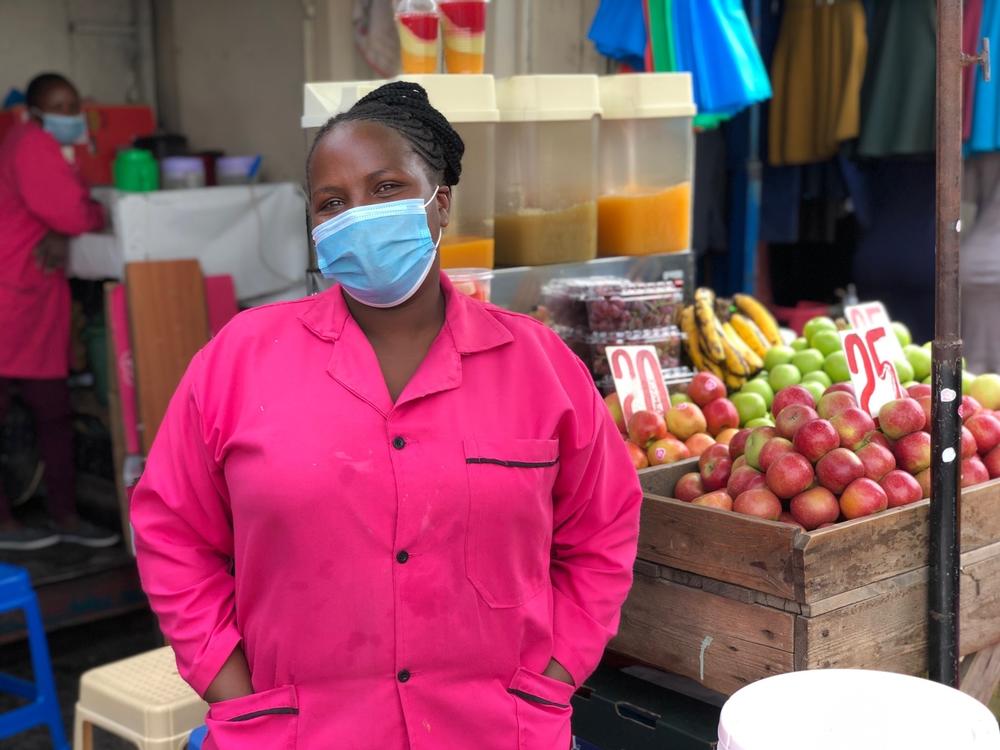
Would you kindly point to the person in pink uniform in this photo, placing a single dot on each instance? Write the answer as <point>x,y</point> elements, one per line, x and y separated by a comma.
<point>42,201</point>
<point>388,516</point>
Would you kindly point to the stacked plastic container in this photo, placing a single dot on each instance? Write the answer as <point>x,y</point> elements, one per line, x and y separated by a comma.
<point>593,313</point>
<point>546,171</point>
<point>646,164</point>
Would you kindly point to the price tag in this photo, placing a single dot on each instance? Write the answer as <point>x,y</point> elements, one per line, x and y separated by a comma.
<point>638,379</point>
<point>868,315</point>
<point>869,360</point>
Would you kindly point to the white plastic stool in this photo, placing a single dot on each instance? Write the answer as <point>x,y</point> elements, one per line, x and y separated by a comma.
<point>854,709</point>
<point>141,699</point>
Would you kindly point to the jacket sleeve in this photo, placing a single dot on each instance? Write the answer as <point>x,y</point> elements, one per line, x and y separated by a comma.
<point>51,189</point>
<point>183,530</point>
<point>596,528</point>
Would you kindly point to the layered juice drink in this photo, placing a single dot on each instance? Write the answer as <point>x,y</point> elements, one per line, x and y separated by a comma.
<point>464,24</point>
<point>644,222</point>
<point>418,41</point>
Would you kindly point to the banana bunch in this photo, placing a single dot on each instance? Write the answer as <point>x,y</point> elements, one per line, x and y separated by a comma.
<point>732,349</point>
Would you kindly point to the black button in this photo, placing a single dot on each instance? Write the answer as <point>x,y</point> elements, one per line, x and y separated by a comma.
<point>399,442</point>
<point>403,556</point>
<point>404,675</point>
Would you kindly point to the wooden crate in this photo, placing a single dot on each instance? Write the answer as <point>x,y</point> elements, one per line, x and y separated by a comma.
<point>727,599</point>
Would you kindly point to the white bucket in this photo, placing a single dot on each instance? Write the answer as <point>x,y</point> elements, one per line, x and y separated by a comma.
<point>854,709</point>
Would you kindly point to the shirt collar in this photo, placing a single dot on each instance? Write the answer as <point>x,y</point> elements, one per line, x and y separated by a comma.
<point>473,327</point>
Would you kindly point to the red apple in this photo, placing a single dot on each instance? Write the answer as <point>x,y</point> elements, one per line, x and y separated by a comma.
<point>815,507</point>
<point>913,452</point>
<point>862,498</point>
<point>760,502</point>
<point>788,518</point>
<point>645,426</point>
<point>637,455</point>
<point>831,404</point>
<point>738,444</point>
<point>852,425</point>
<point>924,480</point>
<point>877,437</point>
<point>721,415</point>
<point>615,407</point>
<point>925,404</point>
<point>845,387</point>
<point>699,443</point>
<point>919,390</point>
<point>740,461</point>
<point>790,475</point>
<point>755,443</point>
<point>667,451</point>
<point>742,479</point>
<point>719,499</point>
<point>969,407</point>
<point>970,446</point>
<point>901,488</point>
<point>878,460</point>
<point>715,467</point>
<point>815,439</point>
<point>974,472</point>
<point>901,417</point>
<point>772,450</point>
<point>839,468</point>
<point>684,420</point>
<point>705,388</point>
<point>992,462</point>
<point>792,417</point>
<point>985,428</point>
<point>793,394</point>
<point>689,487</point>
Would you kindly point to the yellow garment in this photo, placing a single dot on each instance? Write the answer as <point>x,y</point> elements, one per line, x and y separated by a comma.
<point>817,72</point>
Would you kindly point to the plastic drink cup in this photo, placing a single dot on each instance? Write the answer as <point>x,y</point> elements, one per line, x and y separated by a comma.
<point>475,282</point>
<point>418,40</point>
<point>464,24</point>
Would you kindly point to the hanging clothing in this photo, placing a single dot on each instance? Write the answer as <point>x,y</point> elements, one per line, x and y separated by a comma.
<point>985,133</point>
<point>39,193</point>
<point>897,99</point>
<point>972,21</point>
<point>618,31</point>
<point>817,72</point>
<point>980,266</point>
<point>404,571</point>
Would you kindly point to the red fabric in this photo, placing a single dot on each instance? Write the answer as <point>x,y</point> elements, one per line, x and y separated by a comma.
<point>498,471</point>
<point>39,192</point>
<point>971,28</point>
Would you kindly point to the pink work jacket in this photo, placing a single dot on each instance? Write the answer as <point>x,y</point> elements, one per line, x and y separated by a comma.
<point>399,575</point>
<point>39,192</point>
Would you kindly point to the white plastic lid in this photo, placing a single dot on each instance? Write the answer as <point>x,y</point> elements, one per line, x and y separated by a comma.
<point>834,709</point>
<point>548,98</point>
<point>464,98</point>
<point>647,95</point>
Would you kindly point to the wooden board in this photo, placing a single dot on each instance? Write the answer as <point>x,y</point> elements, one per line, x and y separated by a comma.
<point>116,420</point>
<point>169,324</point>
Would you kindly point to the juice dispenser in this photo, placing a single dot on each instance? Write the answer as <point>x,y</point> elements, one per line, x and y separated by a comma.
<point>646,163</point>
<point>546,203</point>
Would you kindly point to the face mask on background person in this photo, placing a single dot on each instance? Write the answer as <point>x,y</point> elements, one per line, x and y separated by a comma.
<point>66,129</point>
<point>381,253</point>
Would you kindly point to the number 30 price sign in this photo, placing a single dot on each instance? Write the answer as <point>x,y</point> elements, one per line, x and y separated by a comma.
<point>638,379</point>
<point>870,354</point>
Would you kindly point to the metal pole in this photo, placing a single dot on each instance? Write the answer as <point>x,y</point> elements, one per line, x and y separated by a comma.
<point>947,373</point>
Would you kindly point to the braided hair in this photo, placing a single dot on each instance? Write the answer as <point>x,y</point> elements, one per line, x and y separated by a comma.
<point>405,107</point>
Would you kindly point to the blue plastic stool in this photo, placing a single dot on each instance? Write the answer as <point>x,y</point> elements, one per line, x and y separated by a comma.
<point>16,593</point>
<point>197,738</point>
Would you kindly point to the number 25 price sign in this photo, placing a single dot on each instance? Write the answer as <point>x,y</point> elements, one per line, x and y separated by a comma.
<point>869,360</point>
<point>638,379</point>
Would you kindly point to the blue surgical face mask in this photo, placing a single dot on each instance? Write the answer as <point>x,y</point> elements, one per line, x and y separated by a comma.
<point>66,129</point>
<point>380,254</point>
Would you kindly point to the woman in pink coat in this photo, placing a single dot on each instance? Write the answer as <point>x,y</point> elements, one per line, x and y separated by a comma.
<point>387,516</point>
<point>42,201</point>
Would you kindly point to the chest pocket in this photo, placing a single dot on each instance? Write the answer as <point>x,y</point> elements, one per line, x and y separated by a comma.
<point>508,546</point>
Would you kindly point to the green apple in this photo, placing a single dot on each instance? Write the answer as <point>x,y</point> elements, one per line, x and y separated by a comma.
<point>909,384</point>
<point>920,359</point>
<point>904,370</point>
<point>808,360</point>
<point>902,333</point>
<point>835,366</point>
<point>749,405</point>
<point>929,345</point>
<point>784,376</point>
<point>679,398</point>
<point>778,355</point>
<point>967,380</point>
<point>760,387</point>
<point>761,375</point>
<point>799,344</point>
<point>760,422</point>
<point>930,381</point>
<point>827,342</point>
<point>986,390</point>
<point>817,377</point>
<point>816,389</point>
<point>817,324</point>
